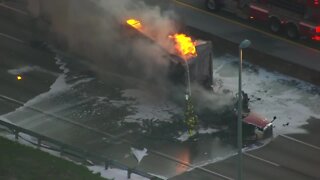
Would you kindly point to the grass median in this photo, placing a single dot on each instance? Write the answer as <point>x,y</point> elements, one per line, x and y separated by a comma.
<point>20,162</point>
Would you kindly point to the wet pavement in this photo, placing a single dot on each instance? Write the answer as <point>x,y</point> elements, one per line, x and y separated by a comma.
<point>65,99</point>
<point>86,112</point>
<point>83,111</point>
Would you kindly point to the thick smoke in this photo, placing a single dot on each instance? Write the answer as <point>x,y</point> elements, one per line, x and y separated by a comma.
<point>93,29</point>
<point>206,99</point>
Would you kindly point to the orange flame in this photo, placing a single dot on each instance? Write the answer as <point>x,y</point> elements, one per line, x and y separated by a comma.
<point>134,23</point>
<point>184,45</point>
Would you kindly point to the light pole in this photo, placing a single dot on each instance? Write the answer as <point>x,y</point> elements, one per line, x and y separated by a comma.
<point>244,44</point>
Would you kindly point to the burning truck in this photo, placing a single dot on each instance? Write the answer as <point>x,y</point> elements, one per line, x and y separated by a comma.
<point>184,54</point>
<point>191,63</point>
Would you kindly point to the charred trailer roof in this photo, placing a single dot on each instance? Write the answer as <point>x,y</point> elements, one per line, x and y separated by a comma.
<point>200,67</point>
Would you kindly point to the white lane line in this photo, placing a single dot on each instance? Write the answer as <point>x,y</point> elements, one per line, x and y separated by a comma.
<point>261,159</point>
<point>179,2</point>
<point>114,137</point>
<point>215,173</point>
<point>12,38</point>
<point>14,9</point>
<point>192,167</point>
<point>301,142</point>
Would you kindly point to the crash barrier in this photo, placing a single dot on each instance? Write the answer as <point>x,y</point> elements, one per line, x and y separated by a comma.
<point>73,151</point>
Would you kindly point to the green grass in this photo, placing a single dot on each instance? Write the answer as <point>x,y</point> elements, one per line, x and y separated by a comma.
<point>20,162</point>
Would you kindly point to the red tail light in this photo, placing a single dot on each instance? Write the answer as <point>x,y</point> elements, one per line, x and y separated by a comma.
<point>317,38</point>
<point>317,35</point>
<point>316,2</point>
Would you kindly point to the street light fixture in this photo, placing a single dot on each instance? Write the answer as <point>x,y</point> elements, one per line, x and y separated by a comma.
<point>244,44</point>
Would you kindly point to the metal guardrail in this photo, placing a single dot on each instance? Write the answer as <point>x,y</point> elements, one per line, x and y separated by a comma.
<point>73,151</point>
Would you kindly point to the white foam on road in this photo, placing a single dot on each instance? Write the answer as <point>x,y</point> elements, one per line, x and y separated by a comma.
<point>114,173</point>
<point>185,135</point>
<point>148,106</point>
<point>59,86</point>
<point>27,69</point>
<point>207,130</point>
<point>289,99</point>
<point>139,154</point>
<point>292,103</point>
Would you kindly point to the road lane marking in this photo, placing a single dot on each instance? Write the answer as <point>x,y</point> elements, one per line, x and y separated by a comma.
<point>192,166</point>
<point>301,142</point>
<point>217,174</point>
<point>12,38</point>
<point>63,119</point>
<point>261,159</point>
<point>243,25</point>
<point>14,9</point>
<point>114,137</point>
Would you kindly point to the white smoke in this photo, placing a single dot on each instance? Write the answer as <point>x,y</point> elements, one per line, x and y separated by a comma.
<point>95,29</point>
<point>92,28</point>
<point>212,100</point>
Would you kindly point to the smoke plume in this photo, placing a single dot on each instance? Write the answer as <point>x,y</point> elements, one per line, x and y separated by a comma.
<point>94,29</point>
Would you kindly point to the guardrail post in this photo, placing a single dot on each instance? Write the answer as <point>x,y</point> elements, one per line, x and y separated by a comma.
<point>83,156</point>
<point>61,150</point>
<point>67,148</point>
<point>16,134</point>
<point>107,164</point>
<point>129,173</point>
<point>39,143</point>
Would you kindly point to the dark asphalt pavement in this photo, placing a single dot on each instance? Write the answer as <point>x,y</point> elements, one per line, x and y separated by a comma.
<point>275,53</point>
<point>292,155</point>
<point>77,116</point>
<point>280,159</point>
<point>235,32</point>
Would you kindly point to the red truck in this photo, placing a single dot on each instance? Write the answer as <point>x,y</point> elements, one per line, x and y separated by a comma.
<point>296,18</point>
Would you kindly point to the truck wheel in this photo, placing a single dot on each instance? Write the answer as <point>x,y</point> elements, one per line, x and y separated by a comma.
<point>292,31</point>
<point>275,25</point>
<point>213,5</point>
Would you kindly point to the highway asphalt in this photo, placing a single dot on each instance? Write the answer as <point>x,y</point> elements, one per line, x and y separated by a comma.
<point>283,158</point>
<point>74,117</point>
<point>274,52</point>
<point>194,15</point>
<point>280,159</point>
